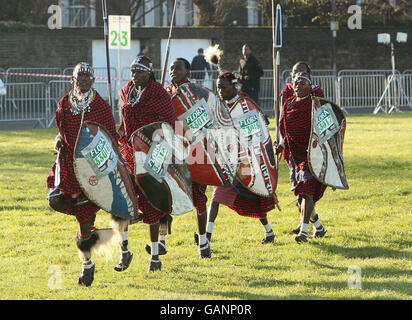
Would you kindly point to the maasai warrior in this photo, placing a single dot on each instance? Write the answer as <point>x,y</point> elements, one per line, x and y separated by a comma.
<point>144,101</point>
<point>237,197</point>
<point>295,129</point>
<point>81,103</point>
<point>287,92</point>
<point>179,72</point>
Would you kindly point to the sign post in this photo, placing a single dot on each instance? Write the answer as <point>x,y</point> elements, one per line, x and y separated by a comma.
<point>119,38</point>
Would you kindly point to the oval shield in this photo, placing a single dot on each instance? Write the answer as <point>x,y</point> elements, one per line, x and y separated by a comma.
<point>101,172</point>
<point>326,143</point>
<point>207,129</point>
<point>160,171</point>
<point>257,170</point>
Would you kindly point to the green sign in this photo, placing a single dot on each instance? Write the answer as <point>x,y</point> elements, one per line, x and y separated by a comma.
<point>157,158</point>
<point>123,38</point>
<point>101,152</point>
<point>249,126</point>
<point>198,119</point>
<point>324,121</point>
<point>119,32</point>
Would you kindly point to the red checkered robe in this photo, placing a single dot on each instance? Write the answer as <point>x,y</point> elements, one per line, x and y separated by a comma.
<point>295,128</point>
<point>198,189</point>
<point>154,105</point>
<point>69,126</point>
<point>288,92</point>
<point>241,200</point>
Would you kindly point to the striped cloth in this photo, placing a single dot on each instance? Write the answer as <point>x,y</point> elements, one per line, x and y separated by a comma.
<point>69,126</point>
<point>295,128</point>
<point>243,202</point>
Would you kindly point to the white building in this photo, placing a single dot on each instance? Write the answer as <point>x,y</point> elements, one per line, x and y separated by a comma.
<point>150,13</point>
<point>75,13</point>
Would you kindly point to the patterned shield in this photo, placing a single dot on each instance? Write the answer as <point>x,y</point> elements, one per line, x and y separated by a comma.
<point>326,143</point>
<point>160,170</point>
<point>257,170</point>
<point>207,130</point>
<point>101,173</point>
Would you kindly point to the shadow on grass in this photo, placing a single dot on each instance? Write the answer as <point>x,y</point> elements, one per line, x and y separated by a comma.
<point>397,242</point>
<point>362,252</point>
<point>22,207</point>
<point>369,271</point>
<point>328,286</point>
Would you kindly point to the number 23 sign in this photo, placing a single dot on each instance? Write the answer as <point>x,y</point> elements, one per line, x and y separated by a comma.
<point>119,32</point>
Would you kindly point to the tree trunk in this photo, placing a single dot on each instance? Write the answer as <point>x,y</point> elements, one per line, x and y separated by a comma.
<point>206,12</point>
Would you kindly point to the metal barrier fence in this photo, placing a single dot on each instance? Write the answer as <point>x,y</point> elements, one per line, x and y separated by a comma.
<point>33,93</point>
<point>25,101</point>
<point>2,86</point>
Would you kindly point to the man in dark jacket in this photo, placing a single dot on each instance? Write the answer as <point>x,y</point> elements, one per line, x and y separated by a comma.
<point>250,72</point>
<point>199,65</point>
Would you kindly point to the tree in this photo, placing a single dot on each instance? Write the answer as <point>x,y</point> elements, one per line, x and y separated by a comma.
<point>30,11</point>
<point>298,13</point>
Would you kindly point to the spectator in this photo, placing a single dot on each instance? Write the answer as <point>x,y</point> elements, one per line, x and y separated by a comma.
<point>199,65</point>
<point>250,72</point>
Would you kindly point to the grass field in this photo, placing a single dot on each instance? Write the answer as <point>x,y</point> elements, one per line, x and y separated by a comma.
<point>369,230</point>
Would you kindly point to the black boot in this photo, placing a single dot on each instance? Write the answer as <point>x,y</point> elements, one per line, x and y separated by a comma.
<point>125,260</point>
<point>155,265</point>
<point>87,276</point>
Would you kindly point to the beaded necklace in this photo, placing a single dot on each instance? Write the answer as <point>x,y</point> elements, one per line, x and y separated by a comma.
<point>135,95</point>
<point>81,102</point>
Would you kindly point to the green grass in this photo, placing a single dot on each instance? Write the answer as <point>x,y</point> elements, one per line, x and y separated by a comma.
<point>369,226</point>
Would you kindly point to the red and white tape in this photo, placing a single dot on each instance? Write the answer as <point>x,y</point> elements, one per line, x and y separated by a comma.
<point>44,75</point>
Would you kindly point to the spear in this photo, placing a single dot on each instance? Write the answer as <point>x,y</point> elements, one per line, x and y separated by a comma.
<point>106,36</point>
<point>277,45</point>
<point>168,45</point>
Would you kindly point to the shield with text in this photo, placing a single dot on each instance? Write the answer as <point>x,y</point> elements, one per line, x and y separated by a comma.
<point>257,169</point>
<point>325,152</point>
<point>160,170</point>
<point>208,133</point>
<point>101,173</point>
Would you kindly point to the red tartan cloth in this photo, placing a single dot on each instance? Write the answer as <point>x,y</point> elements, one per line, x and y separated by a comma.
<point>243,202</point>
<point>288,92</point>
<point>199,197</point>
<point>154,105</point>
<point>295,128</point>
<point>85,214</point>
<point>69,126</point>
